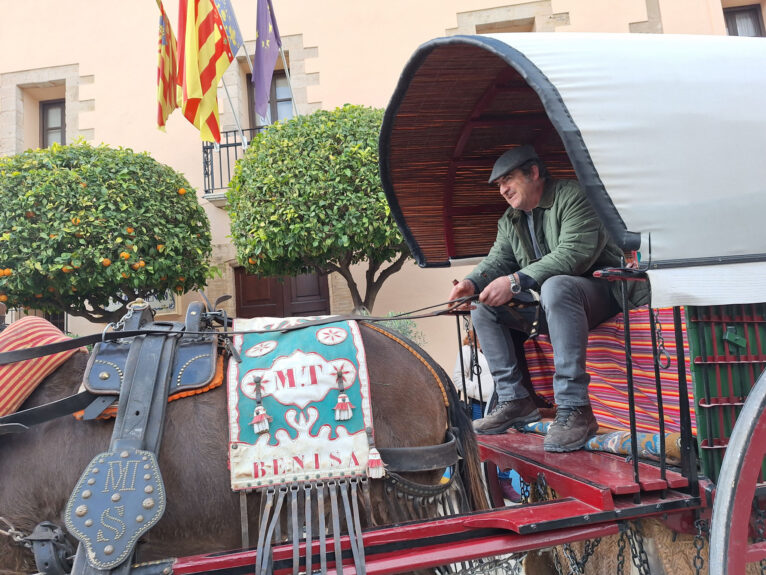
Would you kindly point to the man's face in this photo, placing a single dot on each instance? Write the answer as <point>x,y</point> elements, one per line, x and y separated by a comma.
<point>522,192</point>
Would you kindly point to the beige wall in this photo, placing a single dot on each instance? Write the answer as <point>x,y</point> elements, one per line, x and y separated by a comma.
<point>104,56</point>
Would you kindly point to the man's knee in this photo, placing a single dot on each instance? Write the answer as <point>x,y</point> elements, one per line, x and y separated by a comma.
<point>558,289</point>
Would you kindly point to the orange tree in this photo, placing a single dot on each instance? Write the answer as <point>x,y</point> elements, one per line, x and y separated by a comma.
<point>83,228</point>
<point>307,197</point>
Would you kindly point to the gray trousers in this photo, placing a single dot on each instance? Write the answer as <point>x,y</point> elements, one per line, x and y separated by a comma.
<point>571,305</point>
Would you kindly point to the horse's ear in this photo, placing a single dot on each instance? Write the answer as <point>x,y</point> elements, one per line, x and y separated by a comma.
<point>207,301</point>
<point>220,300</point>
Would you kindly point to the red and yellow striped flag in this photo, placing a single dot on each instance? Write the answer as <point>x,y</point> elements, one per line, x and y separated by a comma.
<point>204,54</point>
<point>168,92</point>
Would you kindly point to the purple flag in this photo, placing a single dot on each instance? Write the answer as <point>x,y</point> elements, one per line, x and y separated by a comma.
<point>267,44</point>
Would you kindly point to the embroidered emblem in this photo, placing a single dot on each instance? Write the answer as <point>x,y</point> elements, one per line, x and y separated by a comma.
<point>261,349</point>
<point>331,335</point>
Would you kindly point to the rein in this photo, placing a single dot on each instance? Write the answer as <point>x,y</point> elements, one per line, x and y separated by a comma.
<point>43,350</point>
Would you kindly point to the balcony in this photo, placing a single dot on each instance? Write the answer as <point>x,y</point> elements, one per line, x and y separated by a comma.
<point>218,162</point>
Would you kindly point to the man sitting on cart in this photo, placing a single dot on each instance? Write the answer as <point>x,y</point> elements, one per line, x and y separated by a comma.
<point>549,240</point>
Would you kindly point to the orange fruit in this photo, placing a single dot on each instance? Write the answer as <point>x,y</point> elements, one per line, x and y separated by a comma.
<point>73,288</point>
<point>7,272</point>
<point>51,236</point>
<point>135,266</point>
<point>181,191</point>
<point>106,262</point>
<point>38,295</point>
<point>179,289</point>
<point>251,261</point>
<point>83,184</point>
<point>126,275</point>
<point>76,221</point>
<point>141,263</point>
<point>51,289</point>
<point>3,297</point>
<point>182,279</point>
<point>66,269</point>
<point>125,255</point>
<point>160,247</point>
<point>29,215</point>
<point>129,230</point>
<point>78,234</point>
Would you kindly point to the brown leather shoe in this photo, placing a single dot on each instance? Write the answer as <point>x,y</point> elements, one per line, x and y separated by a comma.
<point>514,413</point>
<point>571,429</point>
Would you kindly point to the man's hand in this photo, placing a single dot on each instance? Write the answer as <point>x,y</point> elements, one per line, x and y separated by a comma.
<point>461,289</point>
<point>498,292</point>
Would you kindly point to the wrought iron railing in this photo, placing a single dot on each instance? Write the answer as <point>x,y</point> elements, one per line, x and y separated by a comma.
<point>218,159</point>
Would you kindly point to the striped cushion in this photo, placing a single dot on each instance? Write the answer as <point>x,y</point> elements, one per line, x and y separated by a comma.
<point>18,380</point>
<point>606,366</point>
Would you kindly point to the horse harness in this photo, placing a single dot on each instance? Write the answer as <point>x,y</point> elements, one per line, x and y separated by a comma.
<point>120,495</point>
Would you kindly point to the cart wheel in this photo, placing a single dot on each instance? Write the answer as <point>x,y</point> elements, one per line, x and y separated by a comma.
<point>730,549</point>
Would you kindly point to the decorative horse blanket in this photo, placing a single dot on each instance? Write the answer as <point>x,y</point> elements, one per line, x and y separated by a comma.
<point>299,404</point>
<point>19,380</point>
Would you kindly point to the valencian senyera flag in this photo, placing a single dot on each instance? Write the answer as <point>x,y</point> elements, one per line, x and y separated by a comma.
<point>267,44</point>
<point>168,92</point>
<point>208,37</point>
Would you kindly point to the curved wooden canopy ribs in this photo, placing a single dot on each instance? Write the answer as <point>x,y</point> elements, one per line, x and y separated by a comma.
<point>505,83</point>
<point>458,108</point>
<point>460,103</point>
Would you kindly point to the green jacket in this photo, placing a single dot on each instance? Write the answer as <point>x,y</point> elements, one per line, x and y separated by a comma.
<point>572,239</point>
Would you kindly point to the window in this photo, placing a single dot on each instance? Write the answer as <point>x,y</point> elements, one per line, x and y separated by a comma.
<point>744,20</point>
<point>280,99</point>
<point>52,124</point>
<point>53,130</point>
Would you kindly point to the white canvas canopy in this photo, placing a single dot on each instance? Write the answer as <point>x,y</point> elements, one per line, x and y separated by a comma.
<point>667,134</point>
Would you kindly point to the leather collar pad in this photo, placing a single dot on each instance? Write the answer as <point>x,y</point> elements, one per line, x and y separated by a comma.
<point>119,497</point>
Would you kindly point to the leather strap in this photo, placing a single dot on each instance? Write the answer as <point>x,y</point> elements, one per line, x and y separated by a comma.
<point>428,458</point>
<point>43,413</point>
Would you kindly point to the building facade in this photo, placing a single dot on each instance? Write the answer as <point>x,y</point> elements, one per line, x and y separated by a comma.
<point>85,69</point>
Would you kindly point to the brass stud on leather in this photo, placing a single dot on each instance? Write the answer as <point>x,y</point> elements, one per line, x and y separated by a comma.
<point>86,494</point>
<point>148,503</point>
<point>81,510</point>
<point>103,375</point>
<point>139,518</point>
<point>91,481</point>
<point>124,454</point>
<point>88,522</point>
<point>108,550</point>
<point>148,489</point>
<point>116,497</point>
<point>147,476</point>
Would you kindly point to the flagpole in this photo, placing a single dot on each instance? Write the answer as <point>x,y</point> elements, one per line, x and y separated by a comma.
<point>284,61</point>
<point>289,81</point>
<point>236,116</point>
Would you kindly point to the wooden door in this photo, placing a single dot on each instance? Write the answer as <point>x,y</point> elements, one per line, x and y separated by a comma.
<point>257,296</point>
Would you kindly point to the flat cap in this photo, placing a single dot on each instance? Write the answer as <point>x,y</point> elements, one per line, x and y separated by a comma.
<point>511,160</point>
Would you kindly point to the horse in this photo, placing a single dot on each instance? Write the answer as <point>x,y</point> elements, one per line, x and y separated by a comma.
<point>40,467</point>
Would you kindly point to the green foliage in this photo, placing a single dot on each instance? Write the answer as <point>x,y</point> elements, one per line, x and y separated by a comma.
<point>307,197</point>
<point>407,327</point>
<point>66,211</point>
